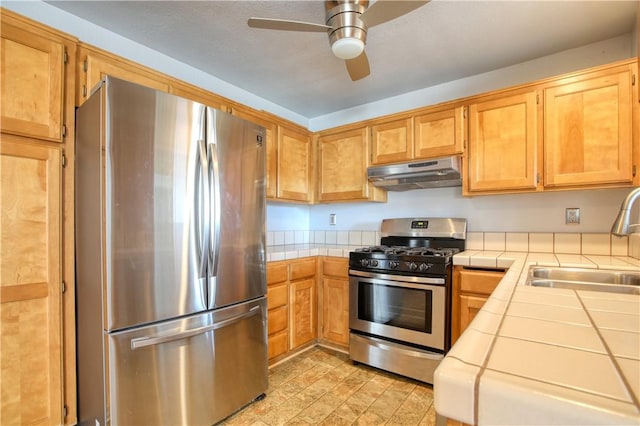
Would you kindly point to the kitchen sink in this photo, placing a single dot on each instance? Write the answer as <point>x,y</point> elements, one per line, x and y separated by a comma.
<point>611,281</point>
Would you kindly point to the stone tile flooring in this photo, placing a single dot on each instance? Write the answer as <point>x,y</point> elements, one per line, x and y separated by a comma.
<point>322,387</point>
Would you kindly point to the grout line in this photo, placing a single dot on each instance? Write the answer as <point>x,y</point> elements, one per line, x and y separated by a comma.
<point>613,359</point>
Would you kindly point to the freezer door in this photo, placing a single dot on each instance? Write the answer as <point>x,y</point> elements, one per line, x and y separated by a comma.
<point>194,371</point>
<point>236,154</point>
<point>156,206</point>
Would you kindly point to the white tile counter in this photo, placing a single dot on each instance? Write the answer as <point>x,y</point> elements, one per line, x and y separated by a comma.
<point>294,251</point>
<point>536,355</point>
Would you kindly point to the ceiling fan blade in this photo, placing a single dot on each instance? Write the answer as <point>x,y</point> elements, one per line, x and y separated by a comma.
<point>385,10</point>
<point>286,25</point>
<point>358,67</point>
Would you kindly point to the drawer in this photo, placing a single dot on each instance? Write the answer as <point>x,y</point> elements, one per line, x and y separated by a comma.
<point>336,267</point>
<point>303,269</point>
<point>478,281</point>
<point>277,319</point>
<point>278,344</point>
<point>277,295</point>
<point>277,272</point>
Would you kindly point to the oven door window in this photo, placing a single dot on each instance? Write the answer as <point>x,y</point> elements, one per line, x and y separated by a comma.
<point>402,307</point>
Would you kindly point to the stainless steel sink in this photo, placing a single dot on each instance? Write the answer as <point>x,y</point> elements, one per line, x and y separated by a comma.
<point>611,281</point>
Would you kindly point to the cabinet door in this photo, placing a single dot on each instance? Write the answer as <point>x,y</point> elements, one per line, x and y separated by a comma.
<point>392,142</point>
<point>587,130</point>
<point>502,144</point>
<point>303,312</point>
<point>30,297</point>
<point>469,307</point>
<point>294,166</point>
<point>439,133</point>
<point>335,305</point>
<point>271,152</point>
<point>32,84</point>
<point>342,165</point>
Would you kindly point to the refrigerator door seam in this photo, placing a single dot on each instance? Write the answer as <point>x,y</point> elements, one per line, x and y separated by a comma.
<point>142,342</point>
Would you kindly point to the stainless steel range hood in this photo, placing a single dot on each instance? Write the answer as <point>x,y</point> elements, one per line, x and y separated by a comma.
<point>433,173</point>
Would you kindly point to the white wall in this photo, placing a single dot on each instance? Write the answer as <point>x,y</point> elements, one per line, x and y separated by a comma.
<point>538,212</point>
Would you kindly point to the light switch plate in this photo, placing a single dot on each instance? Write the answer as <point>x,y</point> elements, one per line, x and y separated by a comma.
<point>572,216</point>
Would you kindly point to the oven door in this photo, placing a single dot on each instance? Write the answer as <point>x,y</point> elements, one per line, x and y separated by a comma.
<point>399,308</point>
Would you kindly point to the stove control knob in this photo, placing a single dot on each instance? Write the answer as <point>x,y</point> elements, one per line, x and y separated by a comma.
<point>424,267</point>
<point>412,266</point>
<point>364,262</point>
<point>393,264</point>
<point>373,263</point>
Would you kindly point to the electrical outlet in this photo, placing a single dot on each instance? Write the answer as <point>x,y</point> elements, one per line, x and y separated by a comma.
<point>332,219</point>
<point>572,216</point>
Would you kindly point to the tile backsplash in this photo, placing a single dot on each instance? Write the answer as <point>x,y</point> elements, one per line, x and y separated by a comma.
<point>539,242</point>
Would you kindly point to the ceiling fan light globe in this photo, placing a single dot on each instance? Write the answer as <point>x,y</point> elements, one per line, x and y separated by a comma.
<point>347,47</point>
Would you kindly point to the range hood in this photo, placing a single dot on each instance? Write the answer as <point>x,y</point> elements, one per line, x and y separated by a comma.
<point>433,173</point>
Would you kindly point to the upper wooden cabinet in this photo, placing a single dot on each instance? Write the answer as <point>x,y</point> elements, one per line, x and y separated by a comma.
<point>588,129</point>
<point>342,166</point>
<point>31,297</point>
<point>33,82</point>
<point>271,148</point>
<point>392,141</point>
<point>294,165</point>
<point>94,64</point>
<point>503,138</point>
<point>428,133</point>
<point>439,133</point>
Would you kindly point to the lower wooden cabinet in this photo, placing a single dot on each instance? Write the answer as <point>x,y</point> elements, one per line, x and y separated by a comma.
<point>303,312</point>
<point>308,301</point>
<point>335,300</point>
<point>292,304</point>
<point>31,377</point>
<point>471,289</point>
<point>278,308</point>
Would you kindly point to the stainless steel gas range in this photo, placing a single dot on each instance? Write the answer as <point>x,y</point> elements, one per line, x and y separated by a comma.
<point>400,295</point>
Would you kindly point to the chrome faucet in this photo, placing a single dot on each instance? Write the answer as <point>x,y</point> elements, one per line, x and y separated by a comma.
<point>621,225</point>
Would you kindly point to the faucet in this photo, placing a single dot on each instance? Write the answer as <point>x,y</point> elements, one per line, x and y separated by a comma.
<point>621,225</point>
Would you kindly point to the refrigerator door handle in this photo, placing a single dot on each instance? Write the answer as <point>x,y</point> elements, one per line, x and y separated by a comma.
<point>142,342</point>
<point>202,209</point>
<point>214,248</point>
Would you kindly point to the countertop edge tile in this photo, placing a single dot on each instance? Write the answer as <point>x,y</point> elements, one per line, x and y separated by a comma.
<point>507,399</point>
<point>453,389</point>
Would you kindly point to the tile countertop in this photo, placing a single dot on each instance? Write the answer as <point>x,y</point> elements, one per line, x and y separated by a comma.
<point>536,355</point>
<point>294,251</point>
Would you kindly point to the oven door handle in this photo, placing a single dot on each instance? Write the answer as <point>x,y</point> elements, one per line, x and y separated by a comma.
<point>405,280</point>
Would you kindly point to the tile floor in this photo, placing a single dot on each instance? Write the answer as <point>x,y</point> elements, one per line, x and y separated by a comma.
<point>322,387</point>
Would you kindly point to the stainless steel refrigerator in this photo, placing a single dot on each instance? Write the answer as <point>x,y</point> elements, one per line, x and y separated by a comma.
<point>170,259</point>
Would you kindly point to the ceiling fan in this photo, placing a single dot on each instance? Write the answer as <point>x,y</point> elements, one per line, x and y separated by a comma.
<point>347,23</point>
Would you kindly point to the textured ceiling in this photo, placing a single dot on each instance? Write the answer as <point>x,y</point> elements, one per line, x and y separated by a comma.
<point>436,43</point>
